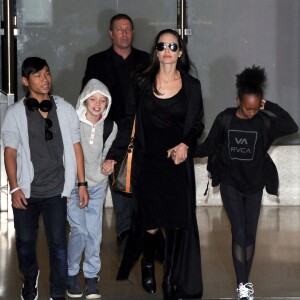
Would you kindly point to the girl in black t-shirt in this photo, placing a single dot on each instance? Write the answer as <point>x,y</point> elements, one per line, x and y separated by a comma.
<point>237,147</point>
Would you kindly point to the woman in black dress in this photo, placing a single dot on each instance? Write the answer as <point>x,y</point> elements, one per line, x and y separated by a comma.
<point>167,103</point>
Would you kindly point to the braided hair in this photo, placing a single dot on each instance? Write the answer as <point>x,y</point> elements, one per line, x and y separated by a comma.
<point>251,81</point>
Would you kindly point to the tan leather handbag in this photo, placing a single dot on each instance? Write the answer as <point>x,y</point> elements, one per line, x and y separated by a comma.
<point>121,177</point>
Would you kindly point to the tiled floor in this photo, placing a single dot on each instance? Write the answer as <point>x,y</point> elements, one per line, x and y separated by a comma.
<point>275,273</point>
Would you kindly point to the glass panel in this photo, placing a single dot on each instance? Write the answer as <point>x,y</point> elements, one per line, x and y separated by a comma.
<point>226,37</point>
<point>69,38</point>
<point>37,12</point>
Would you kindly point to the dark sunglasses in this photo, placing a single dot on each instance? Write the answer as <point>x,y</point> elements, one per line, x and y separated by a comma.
<point>162,46</point>
<point>48,133</point>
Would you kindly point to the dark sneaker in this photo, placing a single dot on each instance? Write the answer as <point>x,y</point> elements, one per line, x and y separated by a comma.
<point>74,289</point>
<point>30,288</point>
<point>58,298</point>
<point>91,288</point>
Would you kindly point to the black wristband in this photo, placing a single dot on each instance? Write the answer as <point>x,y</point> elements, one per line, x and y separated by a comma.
<point>84,183</point>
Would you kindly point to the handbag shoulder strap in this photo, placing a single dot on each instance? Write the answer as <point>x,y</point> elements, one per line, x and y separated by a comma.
<point>133,129</point>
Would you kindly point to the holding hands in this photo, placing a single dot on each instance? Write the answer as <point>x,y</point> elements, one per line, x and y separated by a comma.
<point>178,153</point>
<point>108,166</point>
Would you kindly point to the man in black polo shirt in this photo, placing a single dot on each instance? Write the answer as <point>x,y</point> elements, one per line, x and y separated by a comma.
<point>115,67</point>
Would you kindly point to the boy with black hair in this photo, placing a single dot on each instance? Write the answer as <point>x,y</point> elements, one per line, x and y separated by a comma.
<point>43,156</point>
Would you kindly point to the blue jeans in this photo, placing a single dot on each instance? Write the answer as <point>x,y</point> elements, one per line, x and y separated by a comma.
<point>86,232</point>
<point>26,223</point>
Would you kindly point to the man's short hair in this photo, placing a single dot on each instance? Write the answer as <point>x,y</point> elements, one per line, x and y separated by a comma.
<point>32,65</point>
<point>119,17</point>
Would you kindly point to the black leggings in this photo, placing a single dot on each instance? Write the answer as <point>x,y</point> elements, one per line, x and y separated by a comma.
<point>243,212</point>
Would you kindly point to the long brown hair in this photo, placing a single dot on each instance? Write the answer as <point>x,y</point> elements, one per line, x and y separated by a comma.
<point>147,78</point>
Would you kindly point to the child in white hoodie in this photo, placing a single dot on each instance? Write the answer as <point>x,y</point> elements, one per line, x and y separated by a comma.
<point>97,136</point>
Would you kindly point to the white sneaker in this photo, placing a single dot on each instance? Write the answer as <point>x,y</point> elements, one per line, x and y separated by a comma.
<point>245,291</point>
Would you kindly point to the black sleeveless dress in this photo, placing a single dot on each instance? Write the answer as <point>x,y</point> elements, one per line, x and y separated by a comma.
<point>162,185</point>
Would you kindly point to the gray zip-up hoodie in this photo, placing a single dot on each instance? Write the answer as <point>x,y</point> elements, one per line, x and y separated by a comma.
<point>91,136</point>
<point>15,135</point>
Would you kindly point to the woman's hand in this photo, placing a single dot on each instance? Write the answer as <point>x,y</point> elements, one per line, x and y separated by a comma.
<point>108,167</point>
<point>178,153</point>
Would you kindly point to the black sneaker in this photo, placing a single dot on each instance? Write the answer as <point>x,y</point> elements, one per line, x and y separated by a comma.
<point>91,288</point>
<point>30,288</point>
<point>74,289</point>
<point>58,298</point>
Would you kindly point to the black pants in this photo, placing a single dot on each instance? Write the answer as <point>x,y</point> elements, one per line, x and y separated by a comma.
<point>243,212</point>
<point>54,212</point>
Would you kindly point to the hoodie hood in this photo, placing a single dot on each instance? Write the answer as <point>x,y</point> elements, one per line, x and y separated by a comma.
<point>93,86</point>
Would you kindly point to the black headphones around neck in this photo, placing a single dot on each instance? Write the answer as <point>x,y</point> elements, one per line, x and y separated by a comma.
<point>33,105</point>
